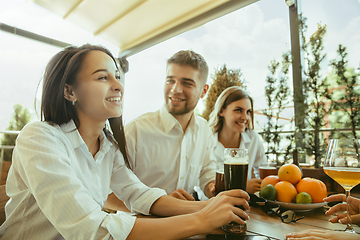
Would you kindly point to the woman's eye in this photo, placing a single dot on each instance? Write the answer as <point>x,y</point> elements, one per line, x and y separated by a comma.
<point>102,78</point>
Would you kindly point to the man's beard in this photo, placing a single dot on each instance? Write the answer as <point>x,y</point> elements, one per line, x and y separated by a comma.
<point>179,111</point>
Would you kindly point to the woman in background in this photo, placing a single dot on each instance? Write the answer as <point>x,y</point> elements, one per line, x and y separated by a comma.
<point>232,122</point>
<point>64,166</point>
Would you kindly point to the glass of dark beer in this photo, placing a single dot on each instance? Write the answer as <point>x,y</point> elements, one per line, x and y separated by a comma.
<point>219,178</point>
<point>236,161</point>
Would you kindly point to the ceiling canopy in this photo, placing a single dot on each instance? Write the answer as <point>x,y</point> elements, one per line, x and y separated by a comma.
<point>134,25</point>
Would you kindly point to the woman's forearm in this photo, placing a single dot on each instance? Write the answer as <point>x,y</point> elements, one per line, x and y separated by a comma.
<point>177,227</point>
<point>169,206</point>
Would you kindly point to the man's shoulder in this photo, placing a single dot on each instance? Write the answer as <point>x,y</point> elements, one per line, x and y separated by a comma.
<point>146,117</point>
<point>145,120</point>
<point>202,123</point>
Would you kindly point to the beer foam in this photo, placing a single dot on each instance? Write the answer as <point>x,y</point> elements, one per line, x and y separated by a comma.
<point>237,160</point>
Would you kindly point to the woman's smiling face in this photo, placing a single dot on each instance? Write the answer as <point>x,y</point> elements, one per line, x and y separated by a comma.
<point>237,115</point>
<point>98,89</point>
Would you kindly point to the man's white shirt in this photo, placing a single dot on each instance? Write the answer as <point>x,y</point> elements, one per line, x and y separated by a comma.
<point>163,156</point>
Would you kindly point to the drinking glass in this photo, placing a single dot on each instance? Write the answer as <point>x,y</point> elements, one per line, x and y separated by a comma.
<point>342,163</point>
<point>219,178</point>
<point>236,161</point>
<point>267,168</point>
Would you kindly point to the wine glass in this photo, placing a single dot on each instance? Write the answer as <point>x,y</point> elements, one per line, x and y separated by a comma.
<point>342,163</point>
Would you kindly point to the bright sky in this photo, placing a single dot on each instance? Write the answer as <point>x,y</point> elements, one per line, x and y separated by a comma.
<point>247,39</point>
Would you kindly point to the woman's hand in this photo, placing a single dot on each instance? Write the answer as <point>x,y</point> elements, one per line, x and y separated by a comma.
<point>210,189</point>
<point>322,235</point>
<point>221,209</point>
<point>253,185</point>
<point>342,218</point>
<point>181,194</point>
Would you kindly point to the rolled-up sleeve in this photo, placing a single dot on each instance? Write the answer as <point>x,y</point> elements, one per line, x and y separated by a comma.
<point>125,184</point>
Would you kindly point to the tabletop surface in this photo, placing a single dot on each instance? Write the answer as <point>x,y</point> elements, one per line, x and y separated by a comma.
<point>271,226</point>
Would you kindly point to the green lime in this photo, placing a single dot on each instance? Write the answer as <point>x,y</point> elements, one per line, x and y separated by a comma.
<point>268,192</point>
<point>303,198</point>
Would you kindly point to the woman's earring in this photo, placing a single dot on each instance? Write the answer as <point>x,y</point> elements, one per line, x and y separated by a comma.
<point>73,102</point>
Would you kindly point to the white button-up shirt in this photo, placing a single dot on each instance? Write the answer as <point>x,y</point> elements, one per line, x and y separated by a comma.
<point>57,188</point>
<point>253,143</point>
<point>163,156</point>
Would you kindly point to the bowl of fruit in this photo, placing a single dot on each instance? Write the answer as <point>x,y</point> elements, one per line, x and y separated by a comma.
<point>290,190</point>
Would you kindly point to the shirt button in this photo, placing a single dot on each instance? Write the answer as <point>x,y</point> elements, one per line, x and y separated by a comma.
<point>182,178</point>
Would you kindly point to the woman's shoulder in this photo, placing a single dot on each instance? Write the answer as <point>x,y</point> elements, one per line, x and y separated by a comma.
<point>252,134</point>
<point>39,128</point>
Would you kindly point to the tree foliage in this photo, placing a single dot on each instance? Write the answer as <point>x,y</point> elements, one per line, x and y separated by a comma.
<point>315,88</point>
<point>277,94</point>
<point>222,79</point>
<point>19,119</point>
<point>344,96</point>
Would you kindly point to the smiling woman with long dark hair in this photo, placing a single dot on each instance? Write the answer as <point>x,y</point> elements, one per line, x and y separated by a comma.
<point>64,166</point>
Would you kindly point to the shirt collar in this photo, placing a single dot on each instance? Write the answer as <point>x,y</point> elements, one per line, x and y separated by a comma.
<point>169,121</point>
<point>245,139</point>
<point>72,133</point>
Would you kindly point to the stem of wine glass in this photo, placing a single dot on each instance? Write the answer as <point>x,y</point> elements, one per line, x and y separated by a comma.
<point>349,227</point>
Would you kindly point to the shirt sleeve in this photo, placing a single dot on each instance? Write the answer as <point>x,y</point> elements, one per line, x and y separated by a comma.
<point>260,154</point>
<point>126,186</point>
<point>208,170</point>
<point>45,167</point>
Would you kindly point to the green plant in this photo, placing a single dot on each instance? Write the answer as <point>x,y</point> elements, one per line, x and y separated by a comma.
<point>277,94</point>
<point>222,79</point>
<point>344,96</point>
<point>19,119</point>
<point>314,91</point>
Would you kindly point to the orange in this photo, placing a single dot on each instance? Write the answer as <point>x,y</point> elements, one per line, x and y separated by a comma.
<point>290,173</point>
<point>271,179</point>
<point>314,187</point>
<point>285,192</point>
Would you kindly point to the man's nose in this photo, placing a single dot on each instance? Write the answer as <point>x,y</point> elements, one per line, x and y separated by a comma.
<point>177,88</point>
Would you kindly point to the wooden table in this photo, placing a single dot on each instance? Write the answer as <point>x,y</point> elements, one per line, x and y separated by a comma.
<point>271,225</point>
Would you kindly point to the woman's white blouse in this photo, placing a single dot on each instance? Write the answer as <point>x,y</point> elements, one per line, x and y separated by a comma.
<point>57,188</point>
<point>249,140</point>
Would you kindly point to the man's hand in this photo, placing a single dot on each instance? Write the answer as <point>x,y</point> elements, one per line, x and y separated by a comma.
<point>209,189</point>
<point>182,194</point>
<point>253,185</point>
